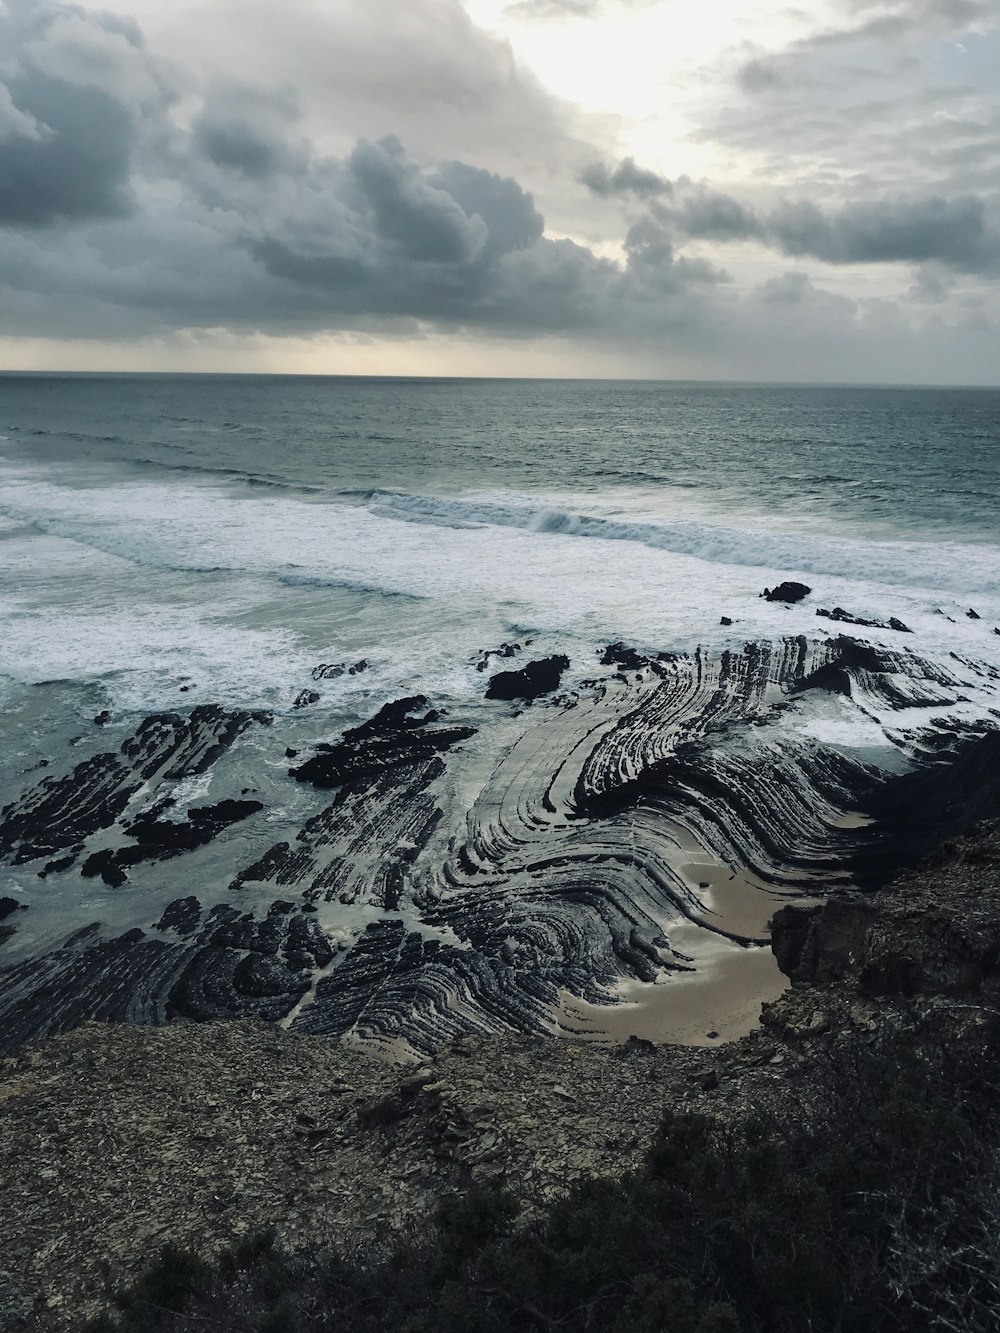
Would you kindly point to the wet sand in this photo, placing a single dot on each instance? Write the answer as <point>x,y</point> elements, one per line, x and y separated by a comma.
<point>723,997</point>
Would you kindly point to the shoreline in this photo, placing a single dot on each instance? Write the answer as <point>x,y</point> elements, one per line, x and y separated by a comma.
<point>625,837</point>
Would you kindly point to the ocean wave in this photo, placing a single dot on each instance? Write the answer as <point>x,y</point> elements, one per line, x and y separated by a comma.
<point>941,565</point>
<point>303,580</point>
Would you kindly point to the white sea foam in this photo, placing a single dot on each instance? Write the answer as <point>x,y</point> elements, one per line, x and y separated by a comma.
<point>139,582</point>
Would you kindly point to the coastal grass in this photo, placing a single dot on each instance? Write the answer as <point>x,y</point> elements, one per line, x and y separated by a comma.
<point>877,1212</point>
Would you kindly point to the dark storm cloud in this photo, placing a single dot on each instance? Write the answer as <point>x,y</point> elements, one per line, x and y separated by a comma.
<point>66,144</point>
<point>421,221</point>
<point>624,179</point>
<point>512,220</point>
<point>953,232</point>
<point>74,165</point>
<point>711,215</point>
<point>458,244</point>
<point>240,131</point>
<point>957,232</point>
<point>231,215</point>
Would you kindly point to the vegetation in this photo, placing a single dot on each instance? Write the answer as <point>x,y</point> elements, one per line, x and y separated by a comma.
<point>880,1214</point>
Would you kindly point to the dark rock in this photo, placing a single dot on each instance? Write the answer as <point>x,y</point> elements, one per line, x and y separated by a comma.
<point>396,735</point>
<point>261,975</point>
<point>103,718</point>
<point>919,810</point>
<point>182,915</point>
<point>725,621</point>
<point>358,667</point>
<point>266,867</point>
<point>8,906</point>
<point>639,1046</point>
<point>818,944</point>
<point>619,654</point>
<point>167,835</point>
<point>505,650</point>
<point>707,1079</point>
<point>304,698</point>
<point>328,671</point>
<point>534,679</point>
<point>290,753</point>
<point>973,615</point>
<point>61,813</point>
<point>224,812</point>
<point>110,865</point>
<point>57,866</point>
<point>789,591</point>
<point>838,613</point>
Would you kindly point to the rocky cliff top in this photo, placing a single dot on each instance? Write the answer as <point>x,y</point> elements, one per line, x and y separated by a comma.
<point>115,1139</point>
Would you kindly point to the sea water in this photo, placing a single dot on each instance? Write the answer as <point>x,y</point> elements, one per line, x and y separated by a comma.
<point>171,540</point>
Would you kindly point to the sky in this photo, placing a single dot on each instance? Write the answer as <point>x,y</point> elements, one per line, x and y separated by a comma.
<point>623,188</point>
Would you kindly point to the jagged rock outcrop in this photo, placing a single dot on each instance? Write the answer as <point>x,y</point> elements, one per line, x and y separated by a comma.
<point>396,736</point>
<point>531,681</point>
<point>937,932</point>
<point>845,617</point>
<point>788,591</point>
<point>61,813</point>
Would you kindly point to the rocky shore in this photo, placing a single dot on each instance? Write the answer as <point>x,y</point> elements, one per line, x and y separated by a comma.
<point>418,877</point>
<point>115,1139</point>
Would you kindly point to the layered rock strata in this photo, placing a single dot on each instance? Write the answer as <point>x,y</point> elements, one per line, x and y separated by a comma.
<point>635,827</point>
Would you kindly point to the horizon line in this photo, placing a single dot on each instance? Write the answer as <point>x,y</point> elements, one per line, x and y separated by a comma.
<point>68,372</point>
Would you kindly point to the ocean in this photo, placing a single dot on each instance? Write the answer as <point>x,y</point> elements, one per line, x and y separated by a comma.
<point>168,542</point>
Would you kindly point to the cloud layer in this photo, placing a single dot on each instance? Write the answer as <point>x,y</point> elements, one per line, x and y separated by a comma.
<point>139,196</point>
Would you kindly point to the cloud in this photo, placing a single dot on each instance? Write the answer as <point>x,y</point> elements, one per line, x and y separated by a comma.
<point>554,9</point>
<point>422,221</point>
<point>66,138</point>
<point>959,233</point>
<point>245,131</point>
<point>140,196</point>
<point>624,179</point>
<point>952,232</point>
<point>559,9</point>
<point>900,93</point>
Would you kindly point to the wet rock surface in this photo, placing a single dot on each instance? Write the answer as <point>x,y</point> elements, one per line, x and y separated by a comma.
<point>401,733</point>
<point>845,617</point>
<point>531,681</point>
<point>789,591</point>
<point>628,825</point>
<point>60,813</point>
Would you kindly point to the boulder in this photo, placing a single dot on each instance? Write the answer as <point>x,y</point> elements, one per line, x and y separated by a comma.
<point>789,591</point>
<point>534,679</point>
